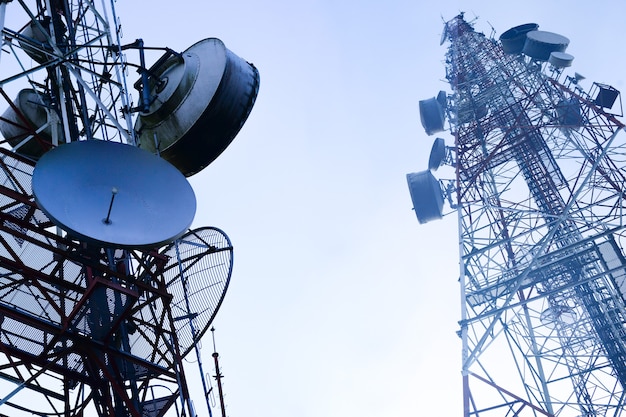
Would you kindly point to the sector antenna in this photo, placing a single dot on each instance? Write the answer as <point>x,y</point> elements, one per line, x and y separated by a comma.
<point>536,180</point>
<point>104,289</point>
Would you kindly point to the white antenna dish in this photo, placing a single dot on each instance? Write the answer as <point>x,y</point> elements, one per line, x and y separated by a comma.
<point>113,195</point>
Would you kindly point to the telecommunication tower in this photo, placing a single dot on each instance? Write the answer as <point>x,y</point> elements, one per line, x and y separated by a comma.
<point>104,288</point>
<point>536,174</point>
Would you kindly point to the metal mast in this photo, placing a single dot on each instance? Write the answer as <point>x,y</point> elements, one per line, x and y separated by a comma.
<point>539,189</point>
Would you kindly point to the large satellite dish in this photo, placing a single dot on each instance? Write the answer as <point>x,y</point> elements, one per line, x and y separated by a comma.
<point>197,276</point>
<point>113,195</point>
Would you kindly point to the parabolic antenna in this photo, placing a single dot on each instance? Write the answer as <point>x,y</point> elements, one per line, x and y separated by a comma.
<point>561,59</point>
<point>513,40</point>
<point>432,115</point>
<point>20,121</point>
<point>558,316</point>
<point>540,44</point>
<point>426,196</point>
<point>197,276</point>
<point>442,98</point>
<point>34,38</point>
<point>437,154</point>
<point>202,98</point>
<point>113,195</point>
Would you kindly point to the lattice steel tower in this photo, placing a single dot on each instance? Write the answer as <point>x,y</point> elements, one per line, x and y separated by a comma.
<point>99,308</point>
<point>537,178</point>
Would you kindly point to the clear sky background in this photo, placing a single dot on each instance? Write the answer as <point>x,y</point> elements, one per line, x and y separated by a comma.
<point>341,304</point>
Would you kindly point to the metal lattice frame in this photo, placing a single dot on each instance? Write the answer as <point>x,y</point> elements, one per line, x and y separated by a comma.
<point>83,330</point>
<point>540,196</point>
<point>96,321</point>
<point>69,53</point>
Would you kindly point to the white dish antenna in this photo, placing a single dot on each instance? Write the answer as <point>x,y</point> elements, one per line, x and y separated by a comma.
<point>113,195</point>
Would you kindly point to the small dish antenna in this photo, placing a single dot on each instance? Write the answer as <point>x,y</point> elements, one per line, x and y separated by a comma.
<point>113,195</point>
<point>437,154</point>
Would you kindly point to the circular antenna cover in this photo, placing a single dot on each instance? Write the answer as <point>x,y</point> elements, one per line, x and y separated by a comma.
<point>202,98</point>
<point>426,195</point>
<point>113,195</point>
<point>513,39</point>
<point>437,154</point>
<point>432,115</point>
<point>19,121</point>
<point>540,44</point>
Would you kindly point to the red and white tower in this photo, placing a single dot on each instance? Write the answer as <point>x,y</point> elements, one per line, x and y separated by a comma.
<point>539,188</point>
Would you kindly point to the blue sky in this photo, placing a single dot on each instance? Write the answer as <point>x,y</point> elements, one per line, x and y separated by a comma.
<point>341,304</point>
